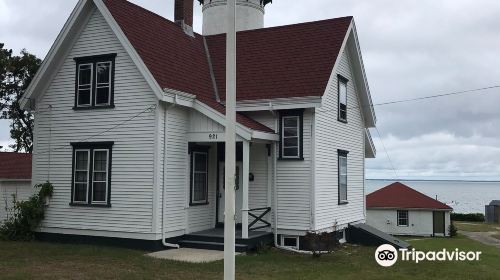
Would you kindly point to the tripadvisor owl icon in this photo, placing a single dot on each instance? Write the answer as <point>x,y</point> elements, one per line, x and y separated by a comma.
<point>386,255</point>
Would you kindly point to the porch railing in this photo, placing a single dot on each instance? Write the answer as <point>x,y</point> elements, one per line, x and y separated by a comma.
<point>259,218</point>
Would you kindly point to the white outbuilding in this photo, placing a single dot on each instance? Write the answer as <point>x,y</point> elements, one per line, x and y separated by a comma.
<point>15,180</point>
<point>400,210</point>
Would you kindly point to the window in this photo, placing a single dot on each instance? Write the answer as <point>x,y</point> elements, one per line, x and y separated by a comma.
<point>342,98</point>
<point>291,145</point>
<point>91,174</point>
<point>94,82</point>
<point>342,161</point>
<point>403,218</point>
<point>199,176</point>
<point>290,242</point>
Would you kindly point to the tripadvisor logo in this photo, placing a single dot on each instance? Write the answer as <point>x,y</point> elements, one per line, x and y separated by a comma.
<point>386,255</point>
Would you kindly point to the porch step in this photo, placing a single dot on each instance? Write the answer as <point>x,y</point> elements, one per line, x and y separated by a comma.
<point>211,245</point>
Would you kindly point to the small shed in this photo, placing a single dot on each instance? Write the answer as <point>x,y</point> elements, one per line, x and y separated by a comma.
<point>400,210</point>
<point>15,179</point>
<point>493,212</point>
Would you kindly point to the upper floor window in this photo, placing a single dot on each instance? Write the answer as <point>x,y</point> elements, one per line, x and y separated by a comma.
<point>91,184</point>
<point>342,98</point>
<point>342,161</point>
<point>95,81</point>
<point>291,131</point>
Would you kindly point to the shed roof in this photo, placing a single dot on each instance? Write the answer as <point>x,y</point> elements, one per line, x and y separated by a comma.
<point>398,195</point>
<point>15,166</point>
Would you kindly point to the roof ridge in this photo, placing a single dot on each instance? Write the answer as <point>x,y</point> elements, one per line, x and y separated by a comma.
<point>283,26</point>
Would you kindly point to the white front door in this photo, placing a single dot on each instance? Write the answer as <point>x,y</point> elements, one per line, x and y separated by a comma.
<point>239,191</point>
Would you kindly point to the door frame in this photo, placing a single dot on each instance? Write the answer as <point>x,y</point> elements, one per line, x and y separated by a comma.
<point>434,225</point>
<point>218,222</point>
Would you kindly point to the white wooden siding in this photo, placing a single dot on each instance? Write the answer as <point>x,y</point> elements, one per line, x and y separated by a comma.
<point>201,123</point>
<point>420,222</point>
<point>133,152</point>
<point>293,180</point>
<point>177,175</point>
<point>22,190</point>
<point>332,135</point>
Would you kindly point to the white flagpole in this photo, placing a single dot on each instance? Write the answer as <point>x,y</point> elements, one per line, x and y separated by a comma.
<point>230,161</point>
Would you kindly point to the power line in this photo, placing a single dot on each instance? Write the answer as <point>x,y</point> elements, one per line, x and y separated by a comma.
<point>387,154</point>
<point>60,147</point>
<point>421,98</point>
<point>436,96</point>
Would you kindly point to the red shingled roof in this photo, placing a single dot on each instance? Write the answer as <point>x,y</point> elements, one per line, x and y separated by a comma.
<point>176,60</point>
<point>398,195</point>
<point>287,61</point>
<point>15,166</point>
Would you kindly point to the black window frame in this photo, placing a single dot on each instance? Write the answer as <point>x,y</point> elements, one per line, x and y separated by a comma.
<point>94,60</point>
<point>192,150</point>
<point>292,113</point>
<point>399,219</point>
<point>342,80</point>
<point>343,154</point>
<point>91,146</point>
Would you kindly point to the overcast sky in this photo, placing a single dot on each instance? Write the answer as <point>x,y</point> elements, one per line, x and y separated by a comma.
<point>411,48</point>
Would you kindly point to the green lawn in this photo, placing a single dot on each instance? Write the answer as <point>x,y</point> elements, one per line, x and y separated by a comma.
<point>55,261</point>
<point>477,227</point>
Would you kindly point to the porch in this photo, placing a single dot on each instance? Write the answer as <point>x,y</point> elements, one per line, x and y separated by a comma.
<point>213,239</point>
<point>254,172</point>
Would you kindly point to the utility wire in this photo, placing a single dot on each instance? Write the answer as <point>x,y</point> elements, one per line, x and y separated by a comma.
<point>436,96</point>
<point>387,154</point>
<point>421,98</point>
<point>60,147</point>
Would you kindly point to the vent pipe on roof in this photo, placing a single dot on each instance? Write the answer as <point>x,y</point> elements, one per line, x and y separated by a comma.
<point>183,15</point>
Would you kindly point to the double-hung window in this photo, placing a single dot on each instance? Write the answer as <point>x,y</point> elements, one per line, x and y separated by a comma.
<point>199,176</point>
<point>403,218</point>
<point>342,162</point>
<point>95,82</point>
<point>91,174</point>
<point>291,144</point>
<point>342,90</point>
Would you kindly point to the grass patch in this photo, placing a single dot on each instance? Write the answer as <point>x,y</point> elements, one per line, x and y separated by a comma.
<point>55,261</point>
<point>477,227</point>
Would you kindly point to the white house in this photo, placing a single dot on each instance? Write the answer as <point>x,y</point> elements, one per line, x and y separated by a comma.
<point>129,123</point>
<point>400,210</point>
<point>15,180</point>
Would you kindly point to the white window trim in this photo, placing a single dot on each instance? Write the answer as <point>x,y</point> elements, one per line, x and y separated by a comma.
<point>283,137</point>
<point>297,241</point>
<point>407,218</point>
<point>343,83</point>
<point>105,202</point>
<point>107,86</point>
<point>193,171</point>
<point>340,175</point>
<point>88,177</point>
<point>91,85</point>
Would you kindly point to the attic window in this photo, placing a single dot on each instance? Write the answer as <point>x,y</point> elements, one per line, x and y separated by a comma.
<point>94,82</point>
<point>342,90</point>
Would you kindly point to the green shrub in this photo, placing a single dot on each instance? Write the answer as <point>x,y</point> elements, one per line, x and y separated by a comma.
<point>474,217</point>
<point>26,215</point>
<point>452,229</point>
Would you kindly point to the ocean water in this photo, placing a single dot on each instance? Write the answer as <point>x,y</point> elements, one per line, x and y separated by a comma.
<point>463,196</point>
